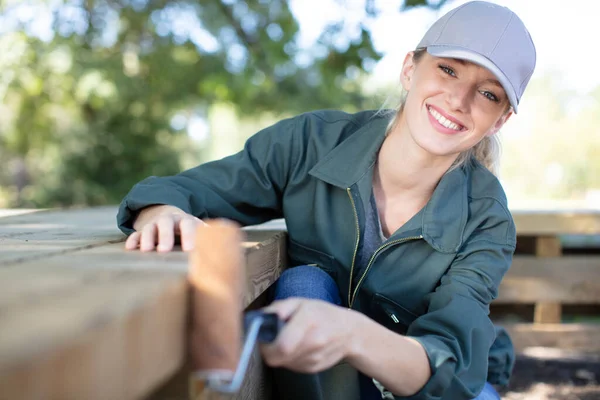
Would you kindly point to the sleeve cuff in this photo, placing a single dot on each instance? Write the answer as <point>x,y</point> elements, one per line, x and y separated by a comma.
<point>144,195</point>
<point>439,380</point>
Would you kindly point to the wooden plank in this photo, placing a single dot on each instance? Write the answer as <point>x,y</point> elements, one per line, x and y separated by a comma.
<point>265,259</point>
<point>10,212</point>
<point>82,319</point>
<point>548,246</point>
<point>556,222</point>
<point>38,235</point>
<point>13,251</point>
<point>114,340</point>
<point>547,313</point>
<point>566,280</point>
<point>584,337</point>
<point>98,219</point>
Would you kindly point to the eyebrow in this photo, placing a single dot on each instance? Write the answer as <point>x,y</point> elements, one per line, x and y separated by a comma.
<point>495,82</point>
<point>492,81</point>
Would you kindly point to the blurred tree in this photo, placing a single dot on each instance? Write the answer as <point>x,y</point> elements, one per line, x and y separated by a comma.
<point>102,98</point>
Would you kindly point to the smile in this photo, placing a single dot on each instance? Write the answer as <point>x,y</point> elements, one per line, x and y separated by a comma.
<point>445,122</point>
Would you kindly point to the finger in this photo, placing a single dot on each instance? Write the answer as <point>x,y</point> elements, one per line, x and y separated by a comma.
<point>148,239</point>
<point>133,241</point>
<point>187,231</point>
<point>288,344</point>
<point>314,362</point>
<point>285,308</point>
<point>166,233</point>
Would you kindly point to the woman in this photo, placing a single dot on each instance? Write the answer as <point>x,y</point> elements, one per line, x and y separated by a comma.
<point>399,230</point>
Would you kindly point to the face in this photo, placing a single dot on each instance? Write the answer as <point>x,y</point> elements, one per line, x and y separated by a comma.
<point>451,104</point>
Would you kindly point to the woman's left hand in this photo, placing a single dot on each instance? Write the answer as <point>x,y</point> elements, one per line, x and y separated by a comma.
<point>316,336</point>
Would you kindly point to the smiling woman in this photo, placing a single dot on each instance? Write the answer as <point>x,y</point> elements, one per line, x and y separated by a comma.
<point>487,94</point>
<point>399,231</point>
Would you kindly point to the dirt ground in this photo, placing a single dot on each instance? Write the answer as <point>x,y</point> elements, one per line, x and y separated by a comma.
<point>542,376</point>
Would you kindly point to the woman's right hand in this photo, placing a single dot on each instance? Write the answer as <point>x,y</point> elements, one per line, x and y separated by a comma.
<point>157,226</point>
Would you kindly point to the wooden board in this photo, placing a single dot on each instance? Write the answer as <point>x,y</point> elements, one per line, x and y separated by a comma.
<point>547,313</point>
<point>35,235</point>
<point>557,222</point>
<point>583,337</point>
<point>112,340</point>
<point>90,320</point>
<point>566,280</point>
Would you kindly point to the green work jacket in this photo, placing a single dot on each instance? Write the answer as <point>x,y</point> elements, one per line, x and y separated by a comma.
<point>432,280</point>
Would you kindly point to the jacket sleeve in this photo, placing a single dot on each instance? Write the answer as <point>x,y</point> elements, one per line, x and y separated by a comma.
<point>246,187</point>
<point>456,332</point>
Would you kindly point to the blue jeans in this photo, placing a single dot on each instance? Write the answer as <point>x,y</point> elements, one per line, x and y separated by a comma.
<point>313,283</point>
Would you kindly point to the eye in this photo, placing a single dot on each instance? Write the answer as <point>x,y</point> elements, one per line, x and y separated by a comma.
<point>490,96</point>
<point>447,69</point>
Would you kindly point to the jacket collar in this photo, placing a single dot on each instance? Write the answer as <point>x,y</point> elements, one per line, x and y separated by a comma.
<point>348,162</point>
<point>444,217</point>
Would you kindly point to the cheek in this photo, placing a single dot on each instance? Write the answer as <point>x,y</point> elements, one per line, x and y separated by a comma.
<point>428,86</point>
<point>486,121</point>
<point>417,98</point>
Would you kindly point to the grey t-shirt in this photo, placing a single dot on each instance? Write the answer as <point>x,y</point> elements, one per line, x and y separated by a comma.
<point>372,239</point>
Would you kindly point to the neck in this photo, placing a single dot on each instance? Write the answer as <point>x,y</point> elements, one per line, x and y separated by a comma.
<point>403,167</point>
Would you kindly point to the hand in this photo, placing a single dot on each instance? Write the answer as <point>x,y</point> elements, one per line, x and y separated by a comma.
<point>316,336</point>
<point>156,226</point>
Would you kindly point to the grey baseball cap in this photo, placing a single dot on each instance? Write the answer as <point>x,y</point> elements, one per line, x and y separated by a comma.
<point>489,35</point>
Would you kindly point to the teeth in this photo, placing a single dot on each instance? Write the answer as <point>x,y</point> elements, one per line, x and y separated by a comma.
<point>442,120</point>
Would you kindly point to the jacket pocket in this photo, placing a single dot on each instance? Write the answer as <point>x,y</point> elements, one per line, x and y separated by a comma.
<point>391,314</point>
<point>303,255</point>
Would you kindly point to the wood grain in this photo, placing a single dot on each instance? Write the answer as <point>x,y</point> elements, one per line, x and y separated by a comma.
<point>566,280</point>
<point>89,320</point>
<point>115,340</point>
<point>37,235</point>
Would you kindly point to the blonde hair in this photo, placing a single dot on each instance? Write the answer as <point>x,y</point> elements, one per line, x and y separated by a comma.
<point>487,152</point>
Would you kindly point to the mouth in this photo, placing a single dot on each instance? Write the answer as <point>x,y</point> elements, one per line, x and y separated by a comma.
<point>445,123</point>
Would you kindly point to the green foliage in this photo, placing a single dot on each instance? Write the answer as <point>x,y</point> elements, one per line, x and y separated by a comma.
<point>87,110</point>
<point>435,4</point>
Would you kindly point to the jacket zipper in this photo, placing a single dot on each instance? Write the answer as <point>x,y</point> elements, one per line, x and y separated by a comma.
<point>375,254</point>
<point>355,247</point>
<point>352,295</point>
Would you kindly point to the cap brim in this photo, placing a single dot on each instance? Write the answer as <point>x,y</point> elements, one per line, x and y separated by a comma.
<point>468,55</point>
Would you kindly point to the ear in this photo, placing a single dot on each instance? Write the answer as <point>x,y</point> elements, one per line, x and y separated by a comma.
<point>408,69</point>
<point>500,123</point>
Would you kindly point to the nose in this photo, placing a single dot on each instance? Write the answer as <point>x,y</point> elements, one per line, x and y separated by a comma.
<point>459,97</point>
